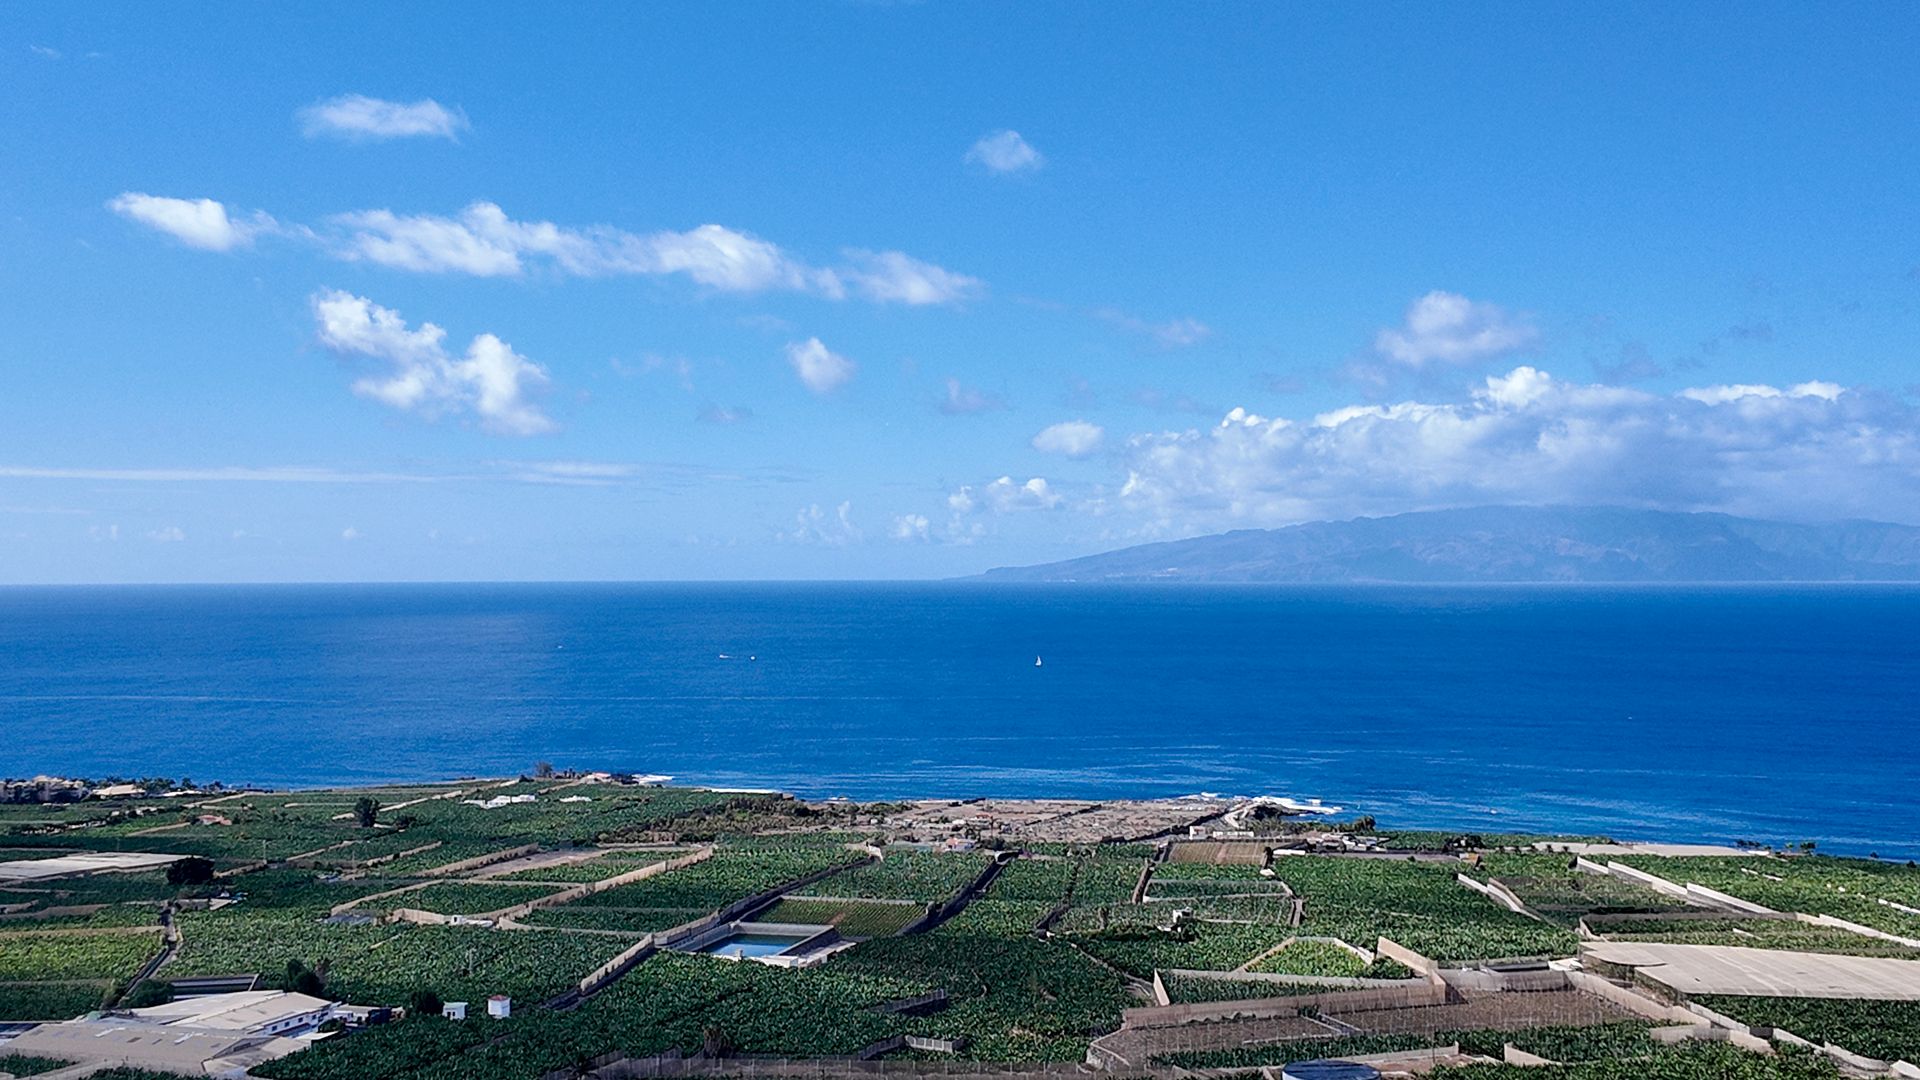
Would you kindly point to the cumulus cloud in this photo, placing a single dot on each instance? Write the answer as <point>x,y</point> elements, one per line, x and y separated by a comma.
<point>964,400</point>
<point>490,382</point>
<point>912,527</point>
<point>171,534</point>
<point>350,534</point>
<point>358,117</point>
<point>1005,496</point>
<point>197,223</point>
<point>822,369</point>
<point>1005,152</point>
<point>1074,438</point>
<point>1810,451</point>
<point>813,525</point>
<point>1449,328</point>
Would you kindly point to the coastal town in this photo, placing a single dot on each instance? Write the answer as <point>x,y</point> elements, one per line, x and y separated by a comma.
<point>574,925</point>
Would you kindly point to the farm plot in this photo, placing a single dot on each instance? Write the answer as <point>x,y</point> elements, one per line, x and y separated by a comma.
<point>1417,904</point>
<point>382,964</point>
<point>1819,885</point>
<point>669,1002</point>
<point>1887,1030</point>
<point>50,1000</point>
<point>1551,888</point>
<point>1193,989</point>
<point>667,900</point>
<point>599,868</point>
<point>853,918</point>
<point>1200,946</point>
<point>56,955</point>
<point>1567,1044</point>
<point>1312,958</point>
<point>1017,997</point>
<point>1753,933</point>
<point>465,897</point>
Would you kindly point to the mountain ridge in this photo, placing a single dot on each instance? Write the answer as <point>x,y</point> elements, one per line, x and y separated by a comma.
<point>1516,544</point>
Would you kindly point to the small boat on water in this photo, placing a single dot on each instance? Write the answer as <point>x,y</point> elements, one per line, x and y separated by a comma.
<point>1036,661</point>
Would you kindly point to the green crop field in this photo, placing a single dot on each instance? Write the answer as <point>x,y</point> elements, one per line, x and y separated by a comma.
<point>853,918</point>
<point>1887,1030</point>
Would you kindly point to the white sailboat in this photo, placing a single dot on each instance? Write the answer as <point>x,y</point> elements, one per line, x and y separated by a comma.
<point>1036,661</point>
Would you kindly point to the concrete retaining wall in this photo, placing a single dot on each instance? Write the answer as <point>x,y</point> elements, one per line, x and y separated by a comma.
<point>1513,1055</point>
<point>1700,894</point>
<point>1496,892</point>
<point>618,966</point>
<point>1403,955</point>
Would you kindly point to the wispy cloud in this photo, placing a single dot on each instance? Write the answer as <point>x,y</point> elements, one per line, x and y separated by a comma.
<point>964,400</point>
<point>279,474</point>
<point>198,223</point>
<point>491,382</point>
<point>483,241</point>
<point>46,52</point>
<point>1005,152</point>
<point>359,117</point>
<point>1172,334</point>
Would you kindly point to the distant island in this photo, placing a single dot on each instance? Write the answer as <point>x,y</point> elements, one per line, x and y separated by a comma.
<point>1497,544</point>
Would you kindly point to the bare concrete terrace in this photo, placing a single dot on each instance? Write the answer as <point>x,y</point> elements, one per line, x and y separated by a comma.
<point>1732,969</point>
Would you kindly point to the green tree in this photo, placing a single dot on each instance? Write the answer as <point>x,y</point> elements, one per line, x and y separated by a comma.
<point>424,1002</point>
<point>366,810</point>
<point>192,870</point>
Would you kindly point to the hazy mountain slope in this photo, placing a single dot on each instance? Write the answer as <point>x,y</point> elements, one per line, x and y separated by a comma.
<point>1511,543</point>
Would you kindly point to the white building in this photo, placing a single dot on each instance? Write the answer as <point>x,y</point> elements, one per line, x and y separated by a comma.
<point>499,1006</point>
<point>454,1010</point>
<point>215,1035</point>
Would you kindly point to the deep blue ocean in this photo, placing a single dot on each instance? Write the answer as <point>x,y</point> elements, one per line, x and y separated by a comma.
<point>1770,713</point>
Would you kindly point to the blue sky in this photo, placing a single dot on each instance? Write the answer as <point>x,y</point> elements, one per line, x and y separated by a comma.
<point>903,290</point>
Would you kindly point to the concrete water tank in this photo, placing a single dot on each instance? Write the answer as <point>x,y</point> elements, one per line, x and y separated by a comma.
<point>1329,1070</point>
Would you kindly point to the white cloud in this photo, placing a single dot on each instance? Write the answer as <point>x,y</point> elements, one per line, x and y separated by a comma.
<point>812,525</point>
<point>964,400</point>
<point>1812,451</point>
<point>356,116</point>
<point>911,527</point>
<point>103,533</point>
<point>1722,395</point>
<point>426,243</point>
<point>46,52</point>
<point>1452,329</point>
<point>1005,152</point>
<point>197,223</point>
<point>491,381</point>
<point>350,534</point>
<point>1074,438</point>
<point>724,415</point>
<point>291,474</point>
<point>172,534</point>
<point>1173,334</point>
<point>1004,496</point>
<point>895,277</point>
<point>822,369</point>
<point>481,240</point>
